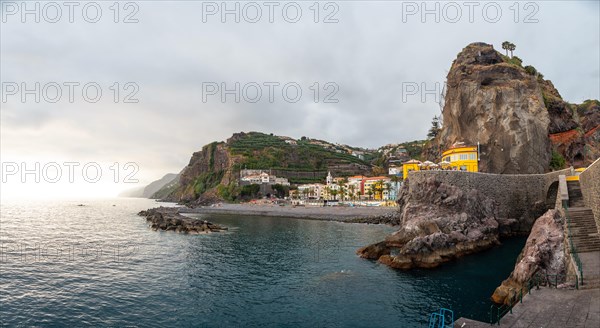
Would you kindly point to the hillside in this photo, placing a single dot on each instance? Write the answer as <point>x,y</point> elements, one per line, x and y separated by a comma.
<point>520,120</point>
<point>150,191</point>
<point>212,173</point>
<point>166,182</point>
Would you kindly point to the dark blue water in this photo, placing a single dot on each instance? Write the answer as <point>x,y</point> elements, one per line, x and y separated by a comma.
<point>100,265</point>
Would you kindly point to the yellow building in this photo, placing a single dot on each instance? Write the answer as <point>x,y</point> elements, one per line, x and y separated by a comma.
<point>459,157</point>
<point>412,165</point>
<point>462,158</point>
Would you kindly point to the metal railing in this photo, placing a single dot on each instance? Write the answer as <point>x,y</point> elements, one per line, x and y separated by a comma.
<point>497,312</point>
<point>442,319</point>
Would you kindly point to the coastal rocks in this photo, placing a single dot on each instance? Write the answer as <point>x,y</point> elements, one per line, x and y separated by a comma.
<point>168,219</point>
<point>439,222</point>
<point>390,218</point>
<point>543,254</point>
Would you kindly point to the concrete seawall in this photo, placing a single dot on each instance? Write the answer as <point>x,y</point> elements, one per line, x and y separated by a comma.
<point>589,180</point>
<point>523,197</point>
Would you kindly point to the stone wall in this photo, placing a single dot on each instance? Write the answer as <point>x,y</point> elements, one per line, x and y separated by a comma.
<point>561,199</point>
<point>589,181</point>
<point>523,197</point>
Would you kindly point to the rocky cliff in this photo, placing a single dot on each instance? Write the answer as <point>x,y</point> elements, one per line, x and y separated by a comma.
<point>513,113</point>
<point>438,222</point>
<point>543,254</point>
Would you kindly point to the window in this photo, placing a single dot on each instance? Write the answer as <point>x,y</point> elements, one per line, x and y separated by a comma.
<point>463,168</point>
<point>472,156</point>
<point>463,157</point>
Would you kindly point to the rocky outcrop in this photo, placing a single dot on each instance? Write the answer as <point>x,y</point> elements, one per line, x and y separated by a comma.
<point>168,219</point>
<point>439,222</point>
<point>543,254</point>
<point>517,117</point>
<point>498,105</point>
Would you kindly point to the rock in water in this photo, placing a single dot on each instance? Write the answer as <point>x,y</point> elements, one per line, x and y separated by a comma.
<point>499,105</point>
<point>168,219</point>
<point>439,222</point>
<point>543,253</point>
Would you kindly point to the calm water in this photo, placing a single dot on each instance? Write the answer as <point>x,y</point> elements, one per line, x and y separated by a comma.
<point>100,265</point>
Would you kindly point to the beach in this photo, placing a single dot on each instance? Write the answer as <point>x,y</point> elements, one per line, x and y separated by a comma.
<point>356,214</point>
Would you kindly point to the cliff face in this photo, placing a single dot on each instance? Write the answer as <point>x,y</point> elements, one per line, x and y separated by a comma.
<point>439,222</point>
<point>543,253</point>
<point>517,117</point>
<point>579,145</point>
<point>498,105</point>
<point>208,168</point>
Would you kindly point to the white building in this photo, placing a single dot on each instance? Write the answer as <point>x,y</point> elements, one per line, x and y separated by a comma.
<point>261,177</point>
<point>394,170</point>
<point>313,190</point>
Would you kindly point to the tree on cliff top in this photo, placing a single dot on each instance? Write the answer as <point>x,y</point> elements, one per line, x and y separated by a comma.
<point>435,127</point>
<point>505,46</point>
<point>509,46</point>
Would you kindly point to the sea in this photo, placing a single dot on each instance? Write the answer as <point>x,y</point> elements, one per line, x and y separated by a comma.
<point>96,263</point>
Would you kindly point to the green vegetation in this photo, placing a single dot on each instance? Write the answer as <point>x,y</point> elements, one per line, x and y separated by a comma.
<point>515,61</point>
<point>588,105</point>
<point>206,181</point>
<point>557,161</point>
<point>414,148</point>
<point>250,191</point>
<point>280,190</point>
<point>229,193</point>
<point>531,70</point>
<point>212,147</point>
<point>435,127</point>
<point>262,151</point>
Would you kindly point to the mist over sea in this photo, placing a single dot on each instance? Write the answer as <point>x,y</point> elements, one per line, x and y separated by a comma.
<point>100,264</point>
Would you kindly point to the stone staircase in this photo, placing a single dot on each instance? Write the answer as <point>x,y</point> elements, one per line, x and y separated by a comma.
<point>585,236</point>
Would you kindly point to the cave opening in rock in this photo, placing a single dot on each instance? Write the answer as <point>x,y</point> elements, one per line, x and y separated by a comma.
<point>487,81</point>
<point>578,160</point>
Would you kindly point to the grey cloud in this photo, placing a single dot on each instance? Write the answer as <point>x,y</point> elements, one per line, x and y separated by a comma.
<point>170,52</point>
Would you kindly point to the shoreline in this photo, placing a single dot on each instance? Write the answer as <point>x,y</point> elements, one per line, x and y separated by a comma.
<point>342,214</point>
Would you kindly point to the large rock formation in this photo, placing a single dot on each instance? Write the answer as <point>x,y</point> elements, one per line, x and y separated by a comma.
<point>439,222</point>
<point>498,105</point>
<point>578,143</point>
<point>543,254</point>
<point>517,117</point>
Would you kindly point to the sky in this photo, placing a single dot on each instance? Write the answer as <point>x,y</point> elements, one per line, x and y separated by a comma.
<point>132,90</point>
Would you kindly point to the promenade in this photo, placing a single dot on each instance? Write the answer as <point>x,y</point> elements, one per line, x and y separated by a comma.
<point>550,308</point>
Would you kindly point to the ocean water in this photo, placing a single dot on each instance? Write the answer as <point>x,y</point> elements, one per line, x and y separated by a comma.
<point>101,265</point>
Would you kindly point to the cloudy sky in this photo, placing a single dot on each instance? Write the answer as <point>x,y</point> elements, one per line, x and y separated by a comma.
<point>163,66</point>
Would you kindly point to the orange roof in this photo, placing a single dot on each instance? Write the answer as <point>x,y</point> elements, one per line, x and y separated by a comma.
<point>357,177</point>
<point>377,178</point>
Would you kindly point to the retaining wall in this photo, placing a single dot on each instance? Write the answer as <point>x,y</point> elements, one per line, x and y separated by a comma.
<point>523,197</point>
<point>589,180</point>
